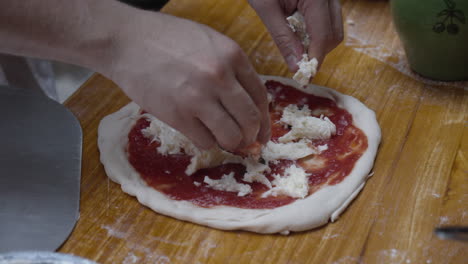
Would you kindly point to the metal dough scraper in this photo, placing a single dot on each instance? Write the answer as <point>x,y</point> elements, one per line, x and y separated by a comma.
<point>40,169</point>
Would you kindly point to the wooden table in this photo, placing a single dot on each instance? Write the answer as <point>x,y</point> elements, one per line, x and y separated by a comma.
<point>421,172</point>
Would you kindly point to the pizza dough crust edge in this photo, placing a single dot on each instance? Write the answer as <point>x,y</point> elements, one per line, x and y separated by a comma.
<point>313,211</point>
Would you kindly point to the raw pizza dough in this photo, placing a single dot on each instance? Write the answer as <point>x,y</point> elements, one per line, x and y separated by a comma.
<point>302,214</point>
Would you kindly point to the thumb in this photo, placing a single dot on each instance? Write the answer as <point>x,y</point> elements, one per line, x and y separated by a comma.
<point>288,43</point>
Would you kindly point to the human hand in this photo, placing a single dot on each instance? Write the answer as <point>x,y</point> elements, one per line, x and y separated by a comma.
<point>323,24</point>
<point>192,78</point>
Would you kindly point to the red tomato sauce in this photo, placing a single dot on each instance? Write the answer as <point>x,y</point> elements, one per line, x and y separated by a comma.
<point>167,173</point>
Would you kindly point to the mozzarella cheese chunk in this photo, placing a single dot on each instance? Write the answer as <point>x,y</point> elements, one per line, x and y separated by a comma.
<point>297,24</point>
<point>209,159</point>
<point>307,68</point>
<point>289,151</point>
<point>229,184</point>
<point>304,126</point>
<point>171,141</point>
<point>322,148</point>
<point>255,172</point>
<point>293,183</point>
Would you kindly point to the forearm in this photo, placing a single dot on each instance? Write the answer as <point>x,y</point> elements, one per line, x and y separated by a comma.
<point>75,31</point>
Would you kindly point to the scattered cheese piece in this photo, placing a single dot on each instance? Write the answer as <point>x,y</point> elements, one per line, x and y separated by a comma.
<point>297,24</point>
<point>322,148</point>
<point>307,70</point>
<point>269,97</point>
<point>198,184</point>
<point>289,151</point>
<point>209,159</point>
<point>255,172</point>
<point>294,183</point>
<point>229,184</point>
<point>292,112</point>
<point>303,126</point>
<point>216,156</point>
<point>171,141</point>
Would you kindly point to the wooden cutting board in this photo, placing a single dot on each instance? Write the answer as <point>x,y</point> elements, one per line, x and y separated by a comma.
<point>421,172</point>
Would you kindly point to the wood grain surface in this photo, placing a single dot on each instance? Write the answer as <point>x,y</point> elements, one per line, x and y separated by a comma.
<point>421,171</point>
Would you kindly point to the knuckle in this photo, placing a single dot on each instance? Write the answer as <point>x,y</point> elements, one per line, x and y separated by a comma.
<point>234,52</point>
<point>213,72</point>
<point>282,40</point>
<point>254,116</point>
<point>189,98</point>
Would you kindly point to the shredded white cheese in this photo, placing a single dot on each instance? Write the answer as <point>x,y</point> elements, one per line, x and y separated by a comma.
<point>297,24</point>
<point>304,126</point>
<point>307,68</point>
<point>294,145</point>
<point>255,172</point>
<point>289,151</point>
<point>209,159</point>
<point>322,148</point>
<point>293,183</point>
<point>229,184</point>
<point>171,141</point>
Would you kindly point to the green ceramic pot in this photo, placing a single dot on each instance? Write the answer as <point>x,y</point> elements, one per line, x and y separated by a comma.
<point>434,34</point>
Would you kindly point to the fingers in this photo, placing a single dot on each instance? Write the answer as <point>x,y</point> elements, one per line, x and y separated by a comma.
<point>197,132</point>
<point>275,20</point>
<point>337,21</point>
<point>324,26</point>
<point>251,83</point>
<point>244,111</point>
<point>221,124</point>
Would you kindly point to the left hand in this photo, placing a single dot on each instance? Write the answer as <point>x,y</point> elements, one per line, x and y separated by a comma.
<point>323,24</point>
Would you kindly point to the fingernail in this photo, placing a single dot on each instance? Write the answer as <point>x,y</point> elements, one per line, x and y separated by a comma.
<point>292,61</point>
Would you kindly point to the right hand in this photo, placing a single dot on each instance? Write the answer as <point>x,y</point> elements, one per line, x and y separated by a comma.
<point>323,21</point>
<point>193,78</point>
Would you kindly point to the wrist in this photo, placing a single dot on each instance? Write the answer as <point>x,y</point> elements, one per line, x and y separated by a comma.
<point>101,40</point>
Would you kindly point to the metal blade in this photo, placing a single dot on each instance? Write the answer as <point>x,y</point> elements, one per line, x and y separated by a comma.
<point>40,169</point>
<point>452,232</point>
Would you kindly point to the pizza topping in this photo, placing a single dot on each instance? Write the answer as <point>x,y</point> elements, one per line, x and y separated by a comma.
<point>307,68</point>
<point>229,184</point>
<point>255,172</point>
<point>303,125</point>
<point>286,170</point>
<point>304,128</point>
<point>297,24</point>
<point>171,141</point>
<point>322,148</point>
<point>293,183</point>
<point>290,151</point>
<point>209,159</point>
